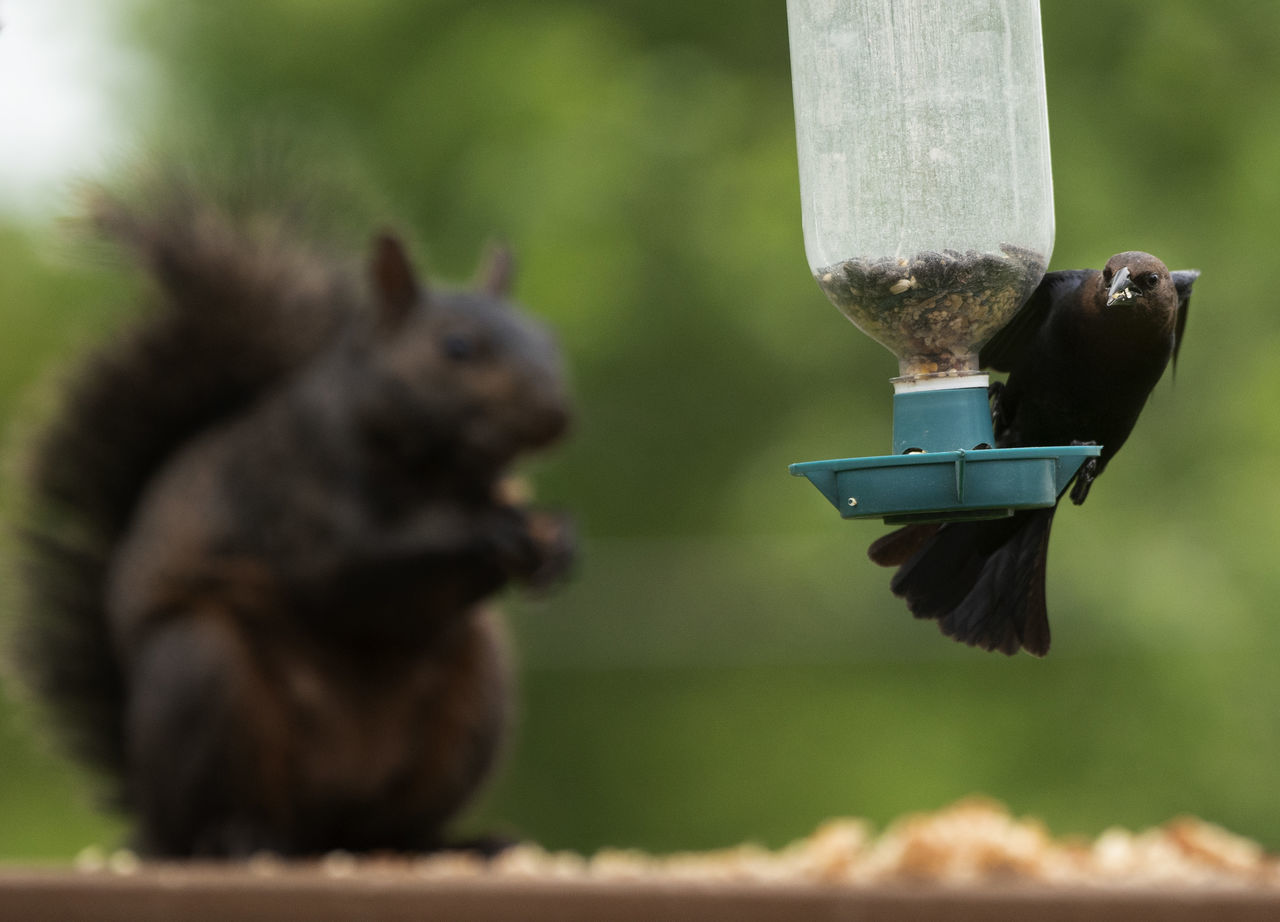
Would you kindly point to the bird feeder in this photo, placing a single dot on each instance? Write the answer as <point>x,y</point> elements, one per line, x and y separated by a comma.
<point>927,203</point>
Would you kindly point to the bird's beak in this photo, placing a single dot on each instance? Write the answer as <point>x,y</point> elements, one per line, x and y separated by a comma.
<point>1122,288</point>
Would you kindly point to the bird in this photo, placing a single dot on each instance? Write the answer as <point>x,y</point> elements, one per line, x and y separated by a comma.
<point>1082,356</point>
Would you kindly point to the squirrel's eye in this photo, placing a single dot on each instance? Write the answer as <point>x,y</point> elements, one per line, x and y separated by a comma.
<point>1150,280</point>
<point>457,346</point>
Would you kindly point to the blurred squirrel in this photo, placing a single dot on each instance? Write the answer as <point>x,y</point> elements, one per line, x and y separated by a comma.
<point>263,530</point>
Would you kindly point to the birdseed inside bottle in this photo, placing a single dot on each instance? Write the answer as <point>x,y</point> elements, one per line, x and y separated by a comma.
<point>934,310</point>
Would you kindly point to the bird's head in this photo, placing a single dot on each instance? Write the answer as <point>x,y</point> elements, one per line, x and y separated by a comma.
<point>1134,275</point>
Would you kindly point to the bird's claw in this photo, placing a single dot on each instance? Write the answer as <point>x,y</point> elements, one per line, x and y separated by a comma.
<point>1085,476</point>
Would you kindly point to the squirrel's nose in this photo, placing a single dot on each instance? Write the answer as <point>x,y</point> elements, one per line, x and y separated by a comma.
<point>555,421</point>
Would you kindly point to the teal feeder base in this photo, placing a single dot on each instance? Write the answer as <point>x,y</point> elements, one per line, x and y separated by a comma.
<point>945,468</point>
<point>945,485</point>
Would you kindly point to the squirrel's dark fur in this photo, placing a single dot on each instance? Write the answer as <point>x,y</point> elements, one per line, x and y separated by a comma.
<point>263,527</point>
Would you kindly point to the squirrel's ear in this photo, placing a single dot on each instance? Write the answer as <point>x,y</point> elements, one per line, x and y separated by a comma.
<point>496,271</point>
<point>394,283</point>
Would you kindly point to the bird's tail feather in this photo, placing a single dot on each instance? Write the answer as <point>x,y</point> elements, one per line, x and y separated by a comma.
<point>983,582</point>
<point>897,547</point>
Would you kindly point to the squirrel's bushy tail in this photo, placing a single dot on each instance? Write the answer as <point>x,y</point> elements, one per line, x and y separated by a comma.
<point>221,287</point>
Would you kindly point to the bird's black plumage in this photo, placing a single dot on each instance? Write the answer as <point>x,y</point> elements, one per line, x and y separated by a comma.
<point>1082,356</point>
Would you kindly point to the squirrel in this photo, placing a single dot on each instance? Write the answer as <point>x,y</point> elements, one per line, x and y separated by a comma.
<point>265,524</point>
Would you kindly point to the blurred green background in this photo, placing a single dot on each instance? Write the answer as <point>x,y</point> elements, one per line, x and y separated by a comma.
<point>727,665</point>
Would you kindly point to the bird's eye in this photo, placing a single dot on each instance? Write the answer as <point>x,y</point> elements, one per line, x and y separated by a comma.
<point>1106,275</point>
<point>1150,280</point>
<point>458,347</point>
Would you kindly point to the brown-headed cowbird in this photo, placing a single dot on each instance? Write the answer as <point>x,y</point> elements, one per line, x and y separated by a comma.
<point>1082,354</point>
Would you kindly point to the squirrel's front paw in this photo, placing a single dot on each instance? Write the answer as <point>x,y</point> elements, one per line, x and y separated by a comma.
<point>555,541</point>
<point>534,547</point>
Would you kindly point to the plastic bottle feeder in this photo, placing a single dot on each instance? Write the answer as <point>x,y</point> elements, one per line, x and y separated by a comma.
<point>927,200</point>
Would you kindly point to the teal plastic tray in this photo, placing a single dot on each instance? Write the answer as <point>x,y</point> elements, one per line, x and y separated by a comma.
<point>946,485</point>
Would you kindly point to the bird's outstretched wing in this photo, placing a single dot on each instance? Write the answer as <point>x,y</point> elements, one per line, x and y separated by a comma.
<point>1002,350</point>
<point>1182,281</point>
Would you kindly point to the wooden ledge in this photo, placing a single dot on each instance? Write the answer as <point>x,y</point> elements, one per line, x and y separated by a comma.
<point>196,892</point>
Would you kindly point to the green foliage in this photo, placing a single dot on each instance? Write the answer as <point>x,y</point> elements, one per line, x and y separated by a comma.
<point>676,759</point>
<point>639,157</point>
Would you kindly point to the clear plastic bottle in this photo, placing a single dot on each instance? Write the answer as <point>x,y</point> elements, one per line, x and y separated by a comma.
<point>923,141</point>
